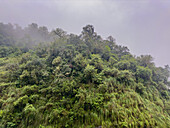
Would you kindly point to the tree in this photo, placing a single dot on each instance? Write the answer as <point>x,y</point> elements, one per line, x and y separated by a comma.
<point>97,62</point>
<point>44,34</point>
<point>89,73</point>
<point>79,62</point>
<point>88,30</point>
<point>143,73</point>
<point>57,61</point>
<point>59,32</point>
<point>120,50</point>
<point>145,60</point>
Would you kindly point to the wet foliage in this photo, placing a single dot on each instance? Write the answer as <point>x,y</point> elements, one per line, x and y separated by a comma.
<point>78,81</point>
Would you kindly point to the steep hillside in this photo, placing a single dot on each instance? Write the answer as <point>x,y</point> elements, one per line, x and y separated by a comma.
<point>78,81</point>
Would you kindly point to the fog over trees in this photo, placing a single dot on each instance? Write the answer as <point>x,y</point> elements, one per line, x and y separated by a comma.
<point>56,79</point>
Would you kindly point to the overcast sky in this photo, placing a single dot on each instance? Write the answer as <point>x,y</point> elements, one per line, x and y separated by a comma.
<point>142,25</point>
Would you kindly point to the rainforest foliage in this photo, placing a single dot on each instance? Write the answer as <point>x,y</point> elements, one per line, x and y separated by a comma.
<point>59,80</point>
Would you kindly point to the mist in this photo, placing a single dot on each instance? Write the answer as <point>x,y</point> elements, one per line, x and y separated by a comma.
<point>142,26</point>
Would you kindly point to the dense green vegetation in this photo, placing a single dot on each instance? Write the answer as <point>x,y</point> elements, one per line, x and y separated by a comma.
<point>55,79</point>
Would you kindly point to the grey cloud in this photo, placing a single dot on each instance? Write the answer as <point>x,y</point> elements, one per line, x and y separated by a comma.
<point>141,25</point>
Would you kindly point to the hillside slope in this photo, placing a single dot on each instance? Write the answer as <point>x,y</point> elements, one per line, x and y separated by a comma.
<point>79,81</point>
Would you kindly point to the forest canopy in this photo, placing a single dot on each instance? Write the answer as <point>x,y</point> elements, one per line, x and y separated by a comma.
<point>55,79</point>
